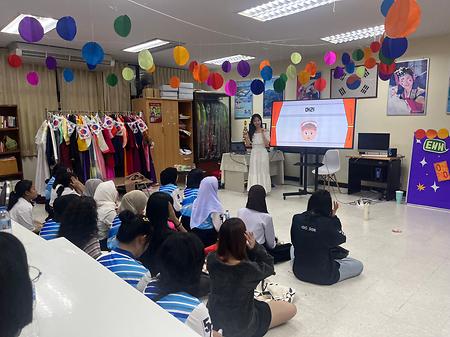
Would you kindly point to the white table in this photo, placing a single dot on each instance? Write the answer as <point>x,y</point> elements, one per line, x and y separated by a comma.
<point>76,296</point>
<point>234,169</point>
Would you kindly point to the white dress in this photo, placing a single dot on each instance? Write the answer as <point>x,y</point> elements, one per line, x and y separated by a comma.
<point>259,172</point>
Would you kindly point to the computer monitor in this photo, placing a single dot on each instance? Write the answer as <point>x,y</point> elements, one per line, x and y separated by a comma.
<point>238,147</point>
<point>373,141</point>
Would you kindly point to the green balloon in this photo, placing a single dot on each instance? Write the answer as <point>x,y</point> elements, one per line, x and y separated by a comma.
<point>296,58</point>
<point>360,71</point>
<point>112,80</point>
<point>358,55</point>
<point>279,85</point>
<point>384,59</point>
<point>128,74</point>
<point>145,59</point>
<point>122,25</point>
<point>291,72</point>
<point>284,78</point>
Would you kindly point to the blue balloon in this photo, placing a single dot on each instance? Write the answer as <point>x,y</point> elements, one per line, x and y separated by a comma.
<point>350,68</point>
<point>266,73</point>
<point>346,58</point>
<point>394,48</point>
<point>91,67</point>
<point>68,75</point>
<point>386,6</point>
<point>66,28</point>
<point>92,53</point>
<point>257,87</point>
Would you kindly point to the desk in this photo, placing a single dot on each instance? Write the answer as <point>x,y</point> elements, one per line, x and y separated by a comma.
<point>234,169</point>
<point>374,169</point>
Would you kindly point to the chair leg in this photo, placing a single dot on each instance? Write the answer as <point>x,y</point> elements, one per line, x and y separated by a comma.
<point>337,184</point>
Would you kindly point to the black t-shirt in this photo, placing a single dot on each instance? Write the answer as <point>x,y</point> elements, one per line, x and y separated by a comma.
<point>313,236</point>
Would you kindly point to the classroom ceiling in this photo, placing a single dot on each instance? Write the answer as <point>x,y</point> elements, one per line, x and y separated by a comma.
<point>95,23</point>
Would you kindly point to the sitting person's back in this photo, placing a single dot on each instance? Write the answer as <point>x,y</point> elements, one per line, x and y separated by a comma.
<point>168,179</point>
<point>190,194</point>
<point>50,229</point>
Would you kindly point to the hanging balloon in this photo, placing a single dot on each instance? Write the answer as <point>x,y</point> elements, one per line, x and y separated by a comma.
<point>386,6</point>
<point>91,67</point>
<point>33,78</point>
<point>122,25</point>
<point>283,77</point>
<point>180,55</point>
<point>330,58</point>
<point>296,58</point>
<point>346,59</point>
<point>403,18</point>
<point>383,76</point>
<point>320,84</point>
<point>266,73</point>
<point>367,53</point>
<point>196,73</point>
<point>217,81</point>
<point>375,46</point>
<point>152,69</point>
<point>384,59</point>
<point>203,73</point>
<point>30,29</point>
<point>257,86</point>
<point>394,48</point>
<point>14,61</point>
<point>66,28</point>
<point>263,64</point>
<point>353,82</point>
<point>174,82</point>
<point>358,55</point>
<point>209,81</point>
<point>128,74</point>
<point>145,59</point>
<point>370,63</point>
<point>226,66</point>
<point>291,72</point>
<point>279,85</point>
<point>350,68</point>
<point>443,133</point>
<point>112,80</point>
<point>387,69</point>
<point>360,71</point>
<point>68,75</point>
<point>50,62</point>
<point>92,53</point>
<point>338,72</point>
<point>243,68</point>
<point>303,77</point>
<point>230,88</point>
<point>311,68</point>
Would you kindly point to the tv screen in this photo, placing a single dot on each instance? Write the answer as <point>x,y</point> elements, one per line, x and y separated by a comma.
<point>373,141</point>
<point>327,123</point>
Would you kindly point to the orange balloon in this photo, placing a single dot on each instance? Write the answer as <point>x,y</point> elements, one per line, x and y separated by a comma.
<point>152,69</point>
<point>263,64</point>
<point>431,134</point>
<point>203,73</point>
<point>370,63</point>
<point>311,68</point>
<point>443,133</point>
<point>303,77</point>
<point>174,82</point>
<point>367,53</point>
<point>403,18</point>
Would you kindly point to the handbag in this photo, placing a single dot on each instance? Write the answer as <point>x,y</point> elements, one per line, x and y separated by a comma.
<point>266,291</point>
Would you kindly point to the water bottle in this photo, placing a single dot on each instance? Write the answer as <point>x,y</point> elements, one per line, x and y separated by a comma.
<point>227,215</point>
<point>5,221</point>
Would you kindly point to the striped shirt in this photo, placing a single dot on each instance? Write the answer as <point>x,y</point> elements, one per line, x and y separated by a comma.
<point>50,230</point>
<point>123,264</point>
<point>175,193</point>
<point>112,233</point>
<point>186,308</point>
<point>169,188</point>
<point>190,194</point>
<point>92,248</point>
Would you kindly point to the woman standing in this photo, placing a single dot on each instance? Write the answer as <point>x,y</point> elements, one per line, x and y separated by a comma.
<point>257,138</point>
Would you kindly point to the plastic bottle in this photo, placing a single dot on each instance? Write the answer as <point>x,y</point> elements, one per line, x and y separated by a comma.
<point>5,221</point>
<point>366,211</point>
<point>227,214</point>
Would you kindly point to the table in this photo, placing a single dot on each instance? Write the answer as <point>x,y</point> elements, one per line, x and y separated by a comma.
<point>234,169</point>
<point>76,296</point>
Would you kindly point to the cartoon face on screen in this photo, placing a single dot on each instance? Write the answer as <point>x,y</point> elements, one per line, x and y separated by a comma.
<point>309,130</point>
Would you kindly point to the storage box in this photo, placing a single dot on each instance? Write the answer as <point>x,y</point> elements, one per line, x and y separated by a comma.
<point>8,166</point>
<point>166,88</point>
<point>187,85</point>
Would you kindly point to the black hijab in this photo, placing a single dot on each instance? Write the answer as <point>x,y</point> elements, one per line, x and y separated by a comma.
<point>257,199</point>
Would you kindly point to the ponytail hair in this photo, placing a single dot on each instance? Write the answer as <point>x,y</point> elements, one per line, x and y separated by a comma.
<point>19,191</point>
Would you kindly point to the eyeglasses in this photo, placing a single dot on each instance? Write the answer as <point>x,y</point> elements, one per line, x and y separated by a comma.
<point>35,273</point>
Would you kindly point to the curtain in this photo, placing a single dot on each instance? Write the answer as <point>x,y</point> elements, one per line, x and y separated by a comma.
<point>30,100</point>
<point>116,98</point>
<point>162,75</point>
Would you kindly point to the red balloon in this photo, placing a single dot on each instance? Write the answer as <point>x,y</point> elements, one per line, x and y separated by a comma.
<point>375,46</point>
<point>420,134</point>
<point>217,81</point>
<point>387,69</point>
<point>320,84</point>
<point>14,61</point>
<point>192,66</point>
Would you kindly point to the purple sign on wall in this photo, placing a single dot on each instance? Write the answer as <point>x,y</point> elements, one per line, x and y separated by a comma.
<point>429,179</point>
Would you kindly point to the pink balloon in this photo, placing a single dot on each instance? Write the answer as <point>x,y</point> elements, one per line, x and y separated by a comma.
<point>330,58</point>
<point>230,88</point>
<point>33,78</point>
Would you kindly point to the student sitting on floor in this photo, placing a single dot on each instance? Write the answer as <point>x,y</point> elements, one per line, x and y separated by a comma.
<point>259,222</point>
<point>315,235</point>
<point>65,183</point>
<point>91,186</point>
<point>56,170</point>
<point>168,179</point>
<point>194,179</point>
<point>50,229</point>
<point>133,238</point>
<point>178,284</point>
<point>20,205</point>
<point>106,197</point>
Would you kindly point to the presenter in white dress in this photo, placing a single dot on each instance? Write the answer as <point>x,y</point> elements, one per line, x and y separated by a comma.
<point>258,139</point>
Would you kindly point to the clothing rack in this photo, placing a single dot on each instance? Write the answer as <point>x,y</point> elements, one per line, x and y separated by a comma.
<point>86,112</point>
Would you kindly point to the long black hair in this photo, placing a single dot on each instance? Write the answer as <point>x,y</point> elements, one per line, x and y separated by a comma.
<point>320,203</point>
<point>194,178</point>
<point>257,199</point>
<point>16,293</point>
<point>252,127</point>
<point>20,189</point>
<point>60,205</point>
<point>168,176</point>
<point>65,180</point>
<point>132,226</point>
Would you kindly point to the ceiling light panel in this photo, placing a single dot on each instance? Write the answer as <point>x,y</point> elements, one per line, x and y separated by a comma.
<point>355,35</point>
<point>13,27</point>
<point>279,8</point>
<point>156,43</point>
<point>231,59</point>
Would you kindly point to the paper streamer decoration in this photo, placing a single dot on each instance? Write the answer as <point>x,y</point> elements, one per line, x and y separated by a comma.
<point>192,65</point>
<point>50,62</point>
<point>174,82</point>
<point>375,47</point>
<point>66,28</point>
<point>14,61</point>
<point>128,74</point>
<point>358,55</point>
<point>181,55</point>
<point>370,63</point>
<point>33,78</point>
<point>303,77</point>
<point>266,74</point>
<point>320,84</point>
<point>403,18</point>
<point>230,88</point>
<point>394,48</point>
<point>145,59</point>
<point>257,87</point>
<point>112,80</point>
<point>122,25</point>
<point>279,85</point>
<point>296,58</point>
<point>30,29</point>
<point>203,73</point>
<point>216,81</point>
<point>346,59</point>
<point>243,68</point>
<point>226,66</point>
<point>68,75</point>
<point>386,6</point>
<point>350,68</point>
<point>92,53</point>
<point>384,59</point>
<point>311,68</point>
<point>263,64</point>
<point>284,77</point>
<point>330,58</point>
<point>360,71</point>
<point>291,72</point>
<point>338,72</point>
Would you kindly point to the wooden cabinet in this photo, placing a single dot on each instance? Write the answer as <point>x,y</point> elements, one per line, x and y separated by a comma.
<point>9,127</point>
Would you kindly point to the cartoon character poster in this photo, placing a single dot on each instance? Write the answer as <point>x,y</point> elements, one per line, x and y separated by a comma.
<point>270,96</point>
<point>308,91</point>
<point>408,87</point>
<point>243,101</point>
<point>155,112</point>
<point>429,177</point>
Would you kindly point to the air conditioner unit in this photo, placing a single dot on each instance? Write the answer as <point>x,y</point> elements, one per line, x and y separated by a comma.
<point>65,57</point>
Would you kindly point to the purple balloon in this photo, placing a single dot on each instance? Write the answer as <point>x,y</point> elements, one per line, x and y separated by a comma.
<point>383,76</point>
<point>33,78</point>
<point>50,62</point>
<point>231,88</point>
<point>243,68</point>
<point>30,29</point>
<point>226,66</point>
<point>338,72</point>
<point>257,87</point>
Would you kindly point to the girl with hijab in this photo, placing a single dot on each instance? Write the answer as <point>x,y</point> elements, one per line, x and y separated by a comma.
<point>207,211</point>
<point>106,197</point>
<point>91,187</point>
<point>194,179</point>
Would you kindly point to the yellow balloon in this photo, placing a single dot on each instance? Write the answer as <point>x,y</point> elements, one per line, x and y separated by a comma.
<point>152,69</point>
<point>303,77</point>
<point>145,59</point>
<point>296,58</point>
<point>180,55</point>
<point>443,133</point>
<point>360,71</point>
<point>128,74</point>
<point>291,72</point>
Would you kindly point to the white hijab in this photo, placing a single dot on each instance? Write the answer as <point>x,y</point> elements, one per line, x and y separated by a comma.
<point>106,197</point>
<point>207,201</point>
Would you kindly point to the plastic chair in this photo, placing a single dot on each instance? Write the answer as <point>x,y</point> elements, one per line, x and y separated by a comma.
<point>331,165</point>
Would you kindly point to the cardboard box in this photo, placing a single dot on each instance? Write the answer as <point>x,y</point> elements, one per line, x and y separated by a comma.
<point>148,93</point>
<point>8,166</point>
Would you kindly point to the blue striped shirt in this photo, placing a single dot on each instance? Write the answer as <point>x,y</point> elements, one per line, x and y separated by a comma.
<point>50,230</point>
<point>123,264</point>
<point>112,233</point>
<point>169,188</point>
<point>190,194</point>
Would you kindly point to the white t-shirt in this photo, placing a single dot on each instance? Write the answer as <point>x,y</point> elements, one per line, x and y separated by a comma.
<point>22,213</point>
<point>260,224</point>
<point>54,195</point>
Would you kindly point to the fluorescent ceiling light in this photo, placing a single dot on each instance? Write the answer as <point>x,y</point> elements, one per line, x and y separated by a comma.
<point>13,27</point>
<point>155,43</point>
<point>355,35</point>
<point>279,8</point>
<point>231,59</point>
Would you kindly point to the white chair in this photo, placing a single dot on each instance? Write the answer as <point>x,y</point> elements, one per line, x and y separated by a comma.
<point>331,165</point>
